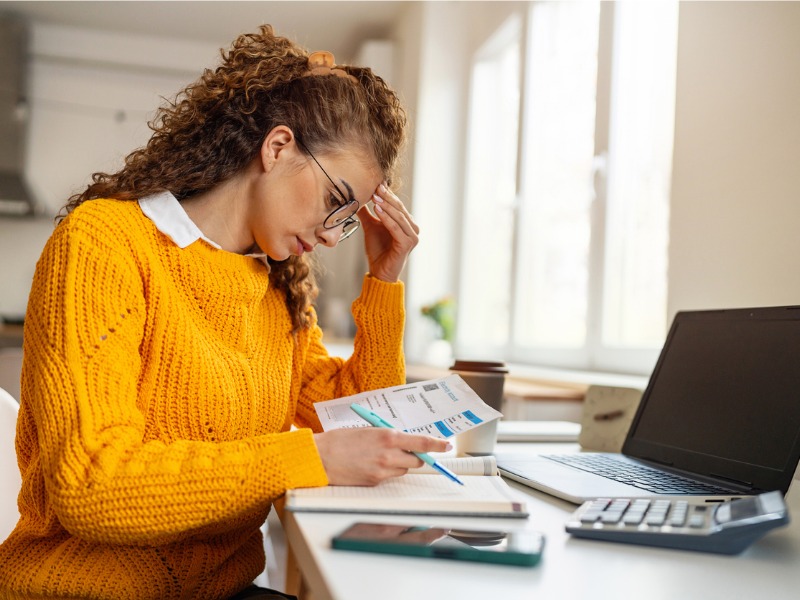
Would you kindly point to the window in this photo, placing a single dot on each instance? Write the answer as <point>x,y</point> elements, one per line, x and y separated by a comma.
<point>491,189</point>
<point>564,251</point>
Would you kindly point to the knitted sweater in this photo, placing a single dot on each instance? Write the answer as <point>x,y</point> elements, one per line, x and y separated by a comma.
<point>159,386</point>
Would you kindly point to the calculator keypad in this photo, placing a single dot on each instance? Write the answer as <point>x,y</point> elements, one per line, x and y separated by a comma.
<point>725,528</point>
<point>642,513</point>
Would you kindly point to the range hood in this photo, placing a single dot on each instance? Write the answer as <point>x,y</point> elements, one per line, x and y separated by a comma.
<point>16,198</point>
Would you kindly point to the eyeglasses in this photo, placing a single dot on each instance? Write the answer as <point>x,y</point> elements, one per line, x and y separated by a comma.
<point>343,216</point>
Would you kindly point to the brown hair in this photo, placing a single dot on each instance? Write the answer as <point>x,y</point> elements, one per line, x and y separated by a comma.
<point>216,125</point>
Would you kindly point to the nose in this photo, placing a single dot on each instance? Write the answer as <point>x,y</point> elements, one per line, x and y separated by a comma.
<point>329,237</point>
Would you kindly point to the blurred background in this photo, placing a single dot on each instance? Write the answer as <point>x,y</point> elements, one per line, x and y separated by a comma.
<point>580,170</point>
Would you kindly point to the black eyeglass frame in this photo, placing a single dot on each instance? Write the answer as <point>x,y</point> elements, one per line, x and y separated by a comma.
<point>347,218</point>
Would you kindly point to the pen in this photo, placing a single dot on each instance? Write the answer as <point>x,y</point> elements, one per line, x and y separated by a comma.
<point>377,421</point>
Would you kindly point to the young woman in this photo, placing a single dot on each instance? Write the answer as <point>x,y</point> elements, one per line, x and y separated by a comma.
<point>170,339</point>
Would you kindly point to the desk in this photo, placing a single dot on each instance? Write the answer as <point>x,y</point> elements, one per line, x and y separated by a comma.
<point>570,568</point>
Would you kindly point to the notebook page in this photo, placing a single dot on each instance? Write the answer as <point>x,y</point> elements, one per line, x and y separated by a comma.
<point>417,487</point>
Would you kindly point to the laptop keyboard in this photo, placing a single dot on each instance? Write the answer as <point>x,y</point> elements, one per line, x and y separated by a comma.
<point>640,476</point>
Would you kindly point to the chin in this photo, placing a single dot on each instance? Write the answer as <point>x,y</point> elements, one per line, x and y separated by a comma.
<point>279,257</point>
<point>275,254</point>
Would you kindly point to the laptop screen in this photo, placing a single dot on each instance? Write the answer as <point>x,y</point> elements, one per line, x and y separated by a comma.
<point>724,398</point>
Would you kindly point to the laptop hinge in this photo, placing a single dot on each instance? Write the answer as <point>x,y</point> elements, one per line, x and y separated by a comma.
<point>744,484</point>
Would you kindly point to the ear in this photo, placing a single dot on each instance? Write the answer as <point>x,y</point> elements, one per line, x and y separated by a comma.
<point>275,146</point>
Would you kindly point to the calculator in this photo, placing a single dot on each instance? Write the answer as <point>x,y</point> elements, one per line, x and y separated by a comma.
<point>724,528</point>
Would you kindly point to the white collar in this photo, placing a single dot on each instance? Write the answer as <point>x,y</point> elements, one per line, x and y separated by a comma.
<point>167,214</point>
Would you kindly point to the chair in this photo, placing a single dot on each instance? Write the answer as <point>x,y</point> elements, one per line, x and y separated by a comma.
<point>10,480</point>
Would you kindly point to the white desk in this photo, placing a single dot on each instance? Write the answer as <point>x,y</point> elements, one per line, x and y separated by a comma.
<point>570,568</point>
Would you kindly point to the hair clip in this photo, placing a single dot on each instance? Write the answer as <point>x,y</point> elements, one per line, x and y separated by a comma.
<point>323,63</point>
<point>321,58</point>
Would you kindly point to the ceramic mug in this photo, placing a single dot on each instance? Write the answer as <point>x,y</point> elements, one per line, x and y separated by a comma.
<point>487,379</point>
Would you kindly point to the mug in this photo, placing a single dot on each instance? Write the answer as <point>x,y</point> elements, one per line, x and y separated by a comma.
<point>487,379</point>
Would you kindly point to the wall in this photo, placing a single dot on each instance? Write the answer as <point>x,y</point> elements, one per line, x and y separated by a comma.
<point>90,96</point>
<point>735,209</point>
<point>439,40</point>
<point>438,137</point>
<point>21,242</point>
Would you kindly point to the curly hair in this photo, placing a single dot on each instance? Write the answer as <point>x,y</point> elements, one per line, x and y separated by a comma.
<point>215,127</point>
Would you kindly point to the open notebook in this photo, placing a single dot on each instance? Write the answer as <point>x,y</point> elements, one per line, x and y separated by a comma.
<point>421,492</point>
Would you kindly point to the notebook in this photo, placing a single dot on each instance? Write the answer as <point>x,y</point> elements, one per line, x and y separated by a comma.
<point>720,415</point>
<point>422,491</point>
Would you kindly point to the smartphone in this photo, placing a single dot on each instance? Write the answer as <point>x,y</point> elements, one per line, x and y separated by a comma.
<point>522,548</point>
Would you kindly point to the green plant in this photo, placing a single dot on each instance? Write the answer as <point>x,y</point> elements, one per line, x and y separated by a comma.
<point>443,313</point>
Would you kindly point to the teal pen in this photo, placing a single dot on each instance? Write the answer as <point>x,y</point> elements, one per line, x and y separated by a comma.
<point>378,421</point>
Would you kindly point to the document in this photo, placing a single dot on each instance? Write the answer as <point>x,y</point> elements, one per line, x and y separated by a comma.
<point>438,407</point>
<point>484,494</point>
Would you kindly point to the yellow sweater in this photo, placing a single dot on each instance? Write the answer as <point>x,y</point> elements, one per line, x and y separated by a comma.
<point>159,385</point>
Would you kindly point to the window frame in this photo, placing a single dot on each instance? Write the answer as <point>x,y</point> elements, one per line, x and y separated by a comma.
<point>594,355</point>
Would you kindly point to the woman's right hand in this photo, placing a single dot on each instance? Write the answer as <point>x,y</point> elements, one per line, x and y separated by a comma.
<point>368,455</point>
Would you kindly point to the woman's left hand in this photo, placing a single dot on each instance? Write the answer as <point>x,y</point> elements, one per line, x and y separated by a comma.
<point>390,234</point>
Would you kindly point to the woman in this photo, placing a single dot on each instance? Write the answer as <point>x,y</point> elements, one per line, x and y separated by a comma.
<point>171,342</point>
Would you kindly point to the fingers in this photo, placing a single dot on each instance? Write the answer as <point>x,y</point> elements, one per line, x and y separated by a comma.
<point>386,200</point>
<point>390,234</point>
<point>409,442</point>
<point>367,456</point>
<point>422,443</point>
<point>393,213</point>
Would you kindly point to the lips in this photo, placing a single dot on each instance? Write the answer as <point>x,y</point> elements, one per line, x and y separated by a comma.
<point>303,247</point>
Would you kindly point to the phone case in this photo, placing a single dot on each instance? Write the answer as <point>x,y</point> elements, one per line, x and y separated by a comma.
<point>523,548</point>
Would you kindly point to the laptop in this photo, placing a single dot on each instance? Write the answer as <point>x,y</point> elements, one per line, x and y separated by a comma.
<point>719,419</point>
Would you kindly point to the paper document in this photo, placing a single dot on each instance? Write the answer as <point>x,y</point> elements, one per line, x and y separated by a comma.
<point>438,407</point>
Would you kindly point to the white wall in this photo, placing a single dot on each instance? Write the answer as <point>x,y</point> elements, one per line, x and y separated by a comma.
<point>21,242</point>
<point>735,208</point>
<point>90,95</point>
<point>440,40</point>
<point>438,139</point>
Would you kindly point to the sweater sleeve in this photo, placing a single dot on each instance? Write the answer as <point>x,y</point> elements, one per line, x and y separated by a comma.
<point>104,481</point>
<point>377,360</point>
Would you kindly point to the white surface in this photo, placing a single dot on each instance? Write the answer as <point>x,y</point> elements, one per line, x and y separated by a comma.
<point>21,243</point>
<point>570,568</point>
<point>538,431</point>
<point>10,481</point>
<point>734,212</point>
<point>337,27</point>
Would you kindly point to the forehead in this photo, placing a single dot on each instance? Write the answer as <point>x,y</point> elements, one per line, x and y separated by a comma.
<point>361,173</point>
